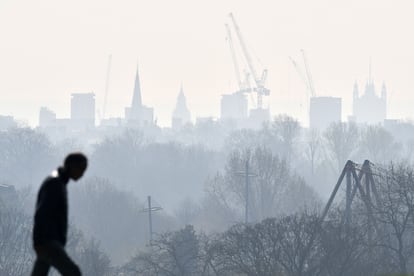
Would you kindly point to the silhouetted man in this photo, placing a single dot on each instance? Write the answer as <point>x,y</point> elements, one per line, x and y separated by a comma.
<point>51,218</point>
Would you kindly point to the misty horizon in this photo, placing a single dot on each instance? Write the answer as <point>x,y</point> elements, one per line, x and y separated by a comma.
<point>43,63</point>
<point>213,138</point>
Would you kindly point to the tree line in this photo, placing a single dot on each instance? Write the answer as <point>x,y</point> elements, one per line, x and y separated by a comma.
<point>202,190</point>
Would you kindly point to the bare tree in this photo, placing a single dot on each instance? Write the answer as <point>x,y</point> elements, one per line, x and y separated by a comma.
<point>312,147</point>
<point>172,253</point>
<point>248,250</point>
<point>408,150</point>
<point>345,249</point>
<point>117,158</point>
<point>16,255</point>
<point>395,211</point>
<point>110,215</point>
<point>378,145</point>
<point>271,247</point>
<point>272,188</point>
<point>286,129</point>
<point>341,141</point>
<point>28,150</point>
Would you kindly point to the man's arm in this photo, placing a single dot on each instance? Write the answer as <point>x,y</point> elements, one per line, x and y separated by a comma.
<point>47,216</point>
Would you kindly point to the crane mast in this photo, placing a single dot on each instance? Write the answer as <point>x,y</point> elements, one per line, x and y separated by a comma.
<point>244,48</point>
<point>234,58</point>
<point>308,75</point>
<point>300,73</point>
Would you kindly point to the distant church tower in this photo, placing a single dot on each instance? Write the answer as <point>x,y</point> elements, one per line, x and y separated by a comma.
<point>181,115</point>
<point>370,108</point>
<point>136,97</point>
<point>138,114</point>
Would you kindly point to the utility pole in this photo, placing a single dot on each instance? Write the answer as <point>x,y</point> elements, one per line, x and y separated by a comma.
<point>150,209</point>
<point>150,218</point>
<point>246,209</point>
<point>247,176</point>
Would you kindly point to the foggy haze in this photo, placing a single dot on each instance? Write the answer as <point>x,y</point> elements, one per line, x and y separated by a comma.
<point>50,50</point>
<point>279,141</point>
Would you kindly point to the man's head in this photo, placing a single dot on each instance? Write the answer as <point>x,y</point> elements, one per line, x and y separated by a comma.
<point>75,164</point>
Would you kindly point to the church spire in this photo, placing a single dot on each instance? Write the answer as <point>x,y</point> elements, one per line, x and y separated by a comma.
<point>181,105</point>
<point>181,113</point>
<point>356,91</point>
<point>136,97</point>
<point>384,91</point>
<point>181,89</point>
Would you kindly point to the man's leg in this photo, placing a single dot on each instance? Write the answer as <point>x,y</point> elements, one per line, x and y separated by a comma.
<point>41,268</point>
<point>56,256</point>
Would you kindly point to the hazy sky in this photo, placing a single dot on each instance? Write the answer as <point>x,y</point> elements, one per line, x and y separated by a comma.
<point>50,49</point>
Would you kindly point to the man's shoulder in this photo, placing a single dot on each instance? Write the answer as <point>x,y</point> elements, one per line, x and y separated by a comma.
<point>51,181</point>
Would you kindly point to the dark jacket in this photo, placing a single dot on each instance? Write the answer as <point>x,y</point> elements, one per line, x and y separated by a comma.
<point>51,215</point>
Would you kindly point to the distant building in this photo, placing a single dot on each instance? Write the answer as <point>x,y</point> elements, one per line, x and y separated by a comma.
<point>181,115</point>
<point>47,117</point>
<point>235,112</point>
<point>205,120</point>
<point>7,122</point>
<point>324,111</point>
<point>234,107</point>
<point>138,114</point>
<point>112,122</point>
<point>82,112</point>
<point>370,108</point>
<point>258,116</point>
<point>63,124</point>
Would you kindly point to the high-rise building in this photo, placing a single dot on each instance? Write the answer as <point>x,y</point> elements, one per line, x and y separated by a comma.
<point>7,122</point>
<point>82,112</point>
<point>234,107</point>
<point>370,108</point>
<point>258,116</point>
<point>47,117</point>
<point>324,111</point>
<point>138,114</point>
<point>181,115</point>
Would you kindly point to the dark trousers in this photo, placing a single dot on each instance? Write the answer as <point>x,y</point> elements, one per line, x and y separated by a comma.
<point>53,254</point>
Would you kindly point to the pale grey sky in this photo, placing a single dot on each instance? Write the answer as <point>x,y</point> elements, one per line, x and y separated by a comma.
<point>50,49</point>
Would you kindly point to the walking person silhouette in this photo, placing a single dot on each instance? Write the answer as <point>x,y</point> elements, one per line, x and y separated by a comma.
<point>51,218</point>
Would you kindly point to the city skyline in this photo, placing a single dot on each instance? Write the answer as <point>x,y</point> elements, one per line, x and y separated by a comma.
<point>51,51</point>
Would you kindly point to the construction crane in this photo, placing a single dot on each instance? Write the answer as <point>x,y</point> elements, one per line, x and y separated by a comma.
<point>240,83</point>
<point>307,79</point>
<point>299,71</point>
<point>308,74</point>
<point>258,84</point>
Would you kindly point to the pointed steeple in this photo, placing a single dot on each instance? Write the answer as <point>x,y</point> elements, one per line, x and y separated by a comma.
<point>370,88</point>
<point>138,114</point>
<point>356,91</point>
<point>181,88</point>
<point>136,97</point>
<point>181,100</point>
<point>181,114</point>
<point>384,91</point>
